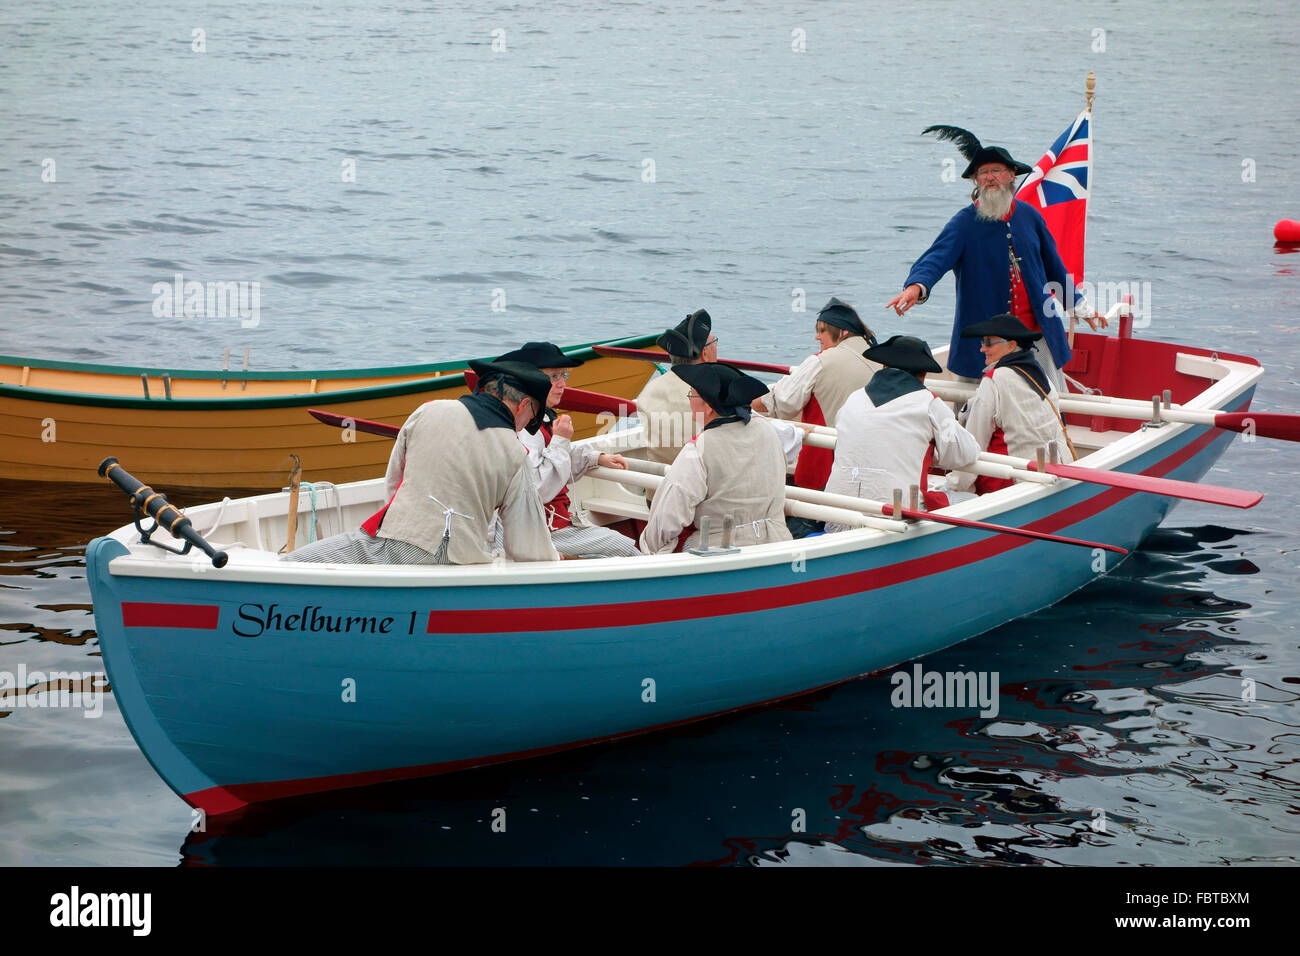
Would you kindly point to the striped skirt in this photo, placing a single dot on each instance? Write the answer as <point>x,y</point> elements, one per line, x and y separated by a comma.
<point>589,541</point>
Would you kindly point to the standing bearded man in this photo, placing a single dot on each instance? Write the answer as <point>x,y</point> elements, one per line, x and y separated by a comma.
<point>1004,260</point>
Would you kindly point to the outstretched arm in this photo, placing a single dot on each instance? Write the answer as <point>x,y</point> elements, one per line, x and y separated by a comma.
<point>790,393</point>
<point>936,262</point>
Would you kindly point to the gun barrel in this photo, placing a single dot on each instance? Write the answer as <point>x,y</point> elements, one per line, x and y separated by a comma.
<point>155,505</point>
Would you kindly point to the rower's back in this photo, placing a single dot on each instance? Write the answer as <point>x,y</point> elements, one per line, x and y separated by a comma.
<point>744,464</point>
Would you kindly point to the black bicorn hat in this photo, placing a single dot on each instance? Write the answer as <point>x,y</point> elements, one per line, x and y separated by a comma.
<point>521,375</point>
<point>721,386</point>
<point>843,316</point>
<point>1004,326</point>
<point>686,339</point>
<point>541,355</point>
<point>975,153</point>
<point>906,352</point>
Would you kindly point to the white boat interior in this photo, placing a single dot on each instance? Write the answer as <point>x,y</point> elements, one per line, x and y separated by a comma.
<point>253,530</point>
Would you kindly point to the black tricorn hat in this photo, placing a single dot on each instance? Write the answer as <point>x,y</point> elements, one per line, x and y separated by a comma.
<point>975,153</point>
<point>904,351</point>
<point>723,387</point>
<point>1003,326</point>
<point>541,355</point>
<point>843,316</point>
<point>520,375</point>
<point>995,154</point>
<point>686,339</point>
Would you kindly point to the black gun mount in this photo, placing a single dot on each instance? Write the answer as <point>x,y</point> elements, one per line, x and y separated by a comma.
<point>145,501</point>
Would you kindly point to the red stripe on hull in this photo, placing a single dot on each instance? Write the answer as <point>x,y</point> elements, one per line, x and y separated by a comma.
<point>202,617</point>
<point>524,620</point>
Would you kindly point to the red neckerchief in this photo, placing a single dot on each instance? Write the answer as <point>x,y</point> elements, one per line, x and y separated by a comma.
<point>371,525</point>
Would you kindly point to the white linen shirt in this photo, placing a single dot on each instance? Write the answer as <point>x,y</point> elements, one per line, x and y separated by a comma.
<point>880,448</point>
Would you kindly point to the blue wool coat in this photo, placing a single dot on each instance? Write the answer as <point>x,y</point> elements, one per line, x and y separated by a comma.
<point>976,252</point>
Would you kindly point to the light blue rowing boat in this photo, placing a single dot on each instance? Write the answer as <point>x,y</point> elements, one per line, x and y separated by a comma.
<point>261,680</point>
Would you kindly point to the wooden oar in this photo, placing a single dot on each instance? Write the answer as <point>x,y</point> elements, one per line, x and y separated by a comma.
<point>996,466</point>
<point>1024,469</point>
<point>825,506</point>
<point>1265,424</point>
<point>581,400</point>
<point>360,424</point>
<point>648,356</point>
<point>1173,488</point>
<point>645,475</point>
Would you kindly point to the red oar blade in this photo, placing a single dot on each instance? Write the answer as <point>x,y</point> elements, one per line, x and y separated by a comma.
<point>649,356</point>
<point>581,400</point>
<point>1266,424</point>
<point>1191,490</point>
<point>360,424</point>
<point>594,403</point>
<point>1003,529</point>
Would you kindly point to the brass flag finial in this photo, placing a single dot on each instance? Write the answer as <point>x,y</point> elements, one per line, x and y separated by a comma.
<point>1091,87</point>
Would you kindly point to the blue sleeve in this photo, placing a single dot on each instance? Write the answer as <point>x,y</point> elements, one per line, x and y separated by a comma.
<point>943,254</point>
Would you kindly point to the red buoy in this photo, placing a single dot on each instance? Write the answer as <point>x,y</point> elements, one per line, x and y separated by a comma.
<point>1287,230</point>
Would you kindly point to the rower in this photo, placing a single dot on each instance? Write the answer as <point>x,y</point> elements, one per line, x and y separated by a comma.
<point>815,389</point>
<point>455,463</point>
<point>888,433</point>
<point>555,462</point>
<point>1015,410</point>
<point>734,469</point>
<point>662,404</point>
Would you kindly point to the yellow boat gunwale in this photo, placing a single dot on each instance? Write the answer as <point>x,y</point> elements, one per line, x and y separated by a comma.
<point>438,375</point>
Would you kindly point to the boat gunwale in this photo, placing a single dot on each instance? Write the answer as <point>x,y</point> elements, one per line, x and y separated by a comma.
<point>1240,378</point>
<point>455,379</point>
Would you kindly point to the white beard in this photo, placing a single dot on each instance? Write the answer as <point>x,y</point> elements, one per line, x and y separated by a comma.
<point>995,201</point>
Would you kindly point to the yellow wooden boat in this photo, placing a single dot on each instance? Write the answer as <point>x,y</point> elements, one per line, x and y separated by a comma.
<point>234,429</point>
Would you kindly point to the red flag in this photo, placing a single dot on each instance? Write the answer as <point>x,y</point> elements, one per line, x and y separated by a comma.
<point>1058,188</point>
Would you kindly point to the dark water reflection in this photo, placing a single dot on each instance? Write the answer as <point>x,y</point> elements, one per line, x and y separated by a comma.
<point>1122,737</point>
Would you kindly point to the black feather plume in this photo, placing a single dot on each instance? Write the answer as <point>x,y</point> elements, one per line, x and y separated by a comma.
<point>964,138</point>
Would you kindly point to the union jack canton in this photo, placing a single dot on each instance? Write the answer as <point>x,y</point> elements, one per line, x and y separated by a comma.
<point>1058,188</point>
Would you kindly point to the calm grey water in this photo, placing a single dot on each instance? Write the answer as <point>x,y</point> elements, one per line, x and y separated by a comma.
<point>386,176</point>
